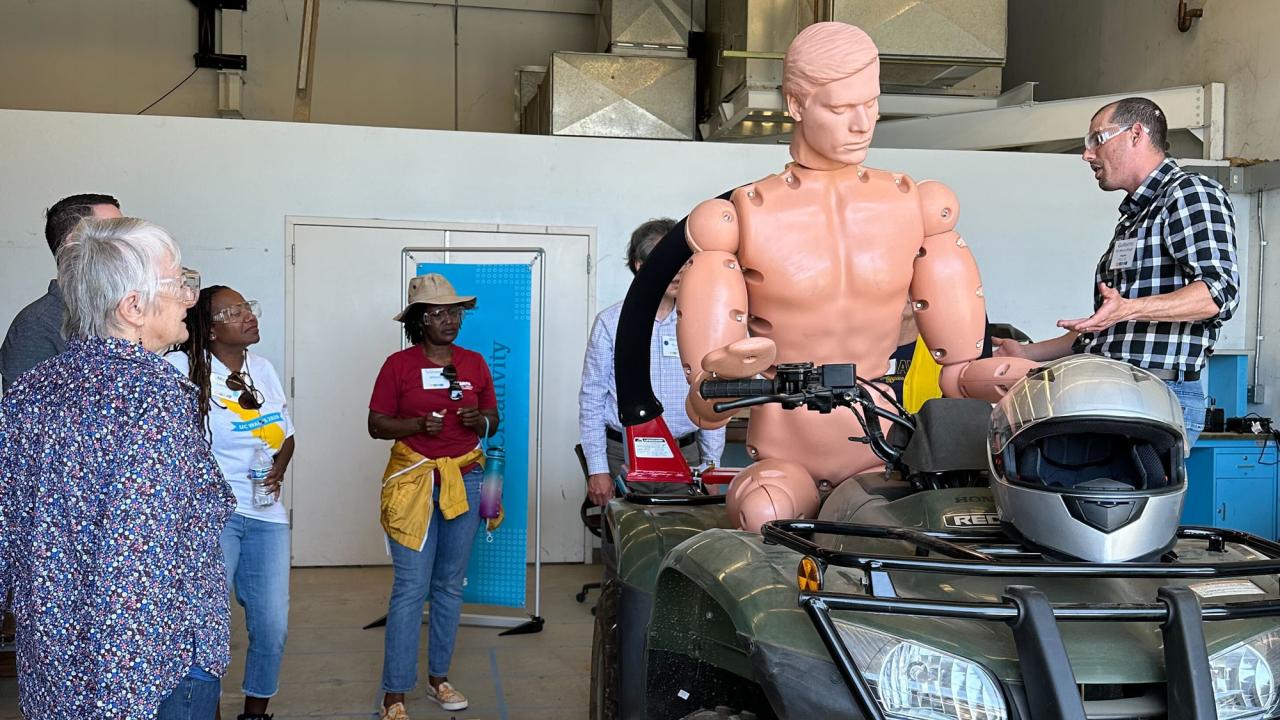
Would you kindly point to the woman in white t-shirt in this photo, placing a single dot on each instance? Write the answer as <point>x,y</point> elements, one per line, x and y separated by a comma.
<point>244,409</point>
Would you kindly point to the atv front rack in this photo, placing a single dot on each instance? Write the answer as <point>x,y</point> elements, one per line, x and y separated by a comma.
<point>1049,682</point>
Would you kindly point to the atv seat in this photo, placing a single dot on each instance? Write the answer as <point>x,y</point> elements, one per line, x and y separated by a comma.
<point>951,435</point>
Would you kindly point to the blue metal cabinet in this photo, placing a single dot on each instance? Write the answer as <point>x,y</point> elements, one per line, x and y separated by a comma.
<point>1231,483</point>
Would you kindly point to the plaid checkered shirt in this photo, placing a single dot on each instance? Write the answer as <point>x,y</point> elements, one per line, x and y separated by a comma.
<point>1184,228</point>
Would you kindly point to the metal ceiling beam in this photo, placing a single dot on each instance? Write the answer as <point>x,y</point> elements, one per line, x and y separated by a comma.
<point>1191,107</point>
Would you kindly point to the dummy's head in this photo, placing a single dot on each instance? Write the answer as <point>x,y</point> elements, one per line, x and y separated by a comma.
<point>831,82</point>
<point>1125,142</point>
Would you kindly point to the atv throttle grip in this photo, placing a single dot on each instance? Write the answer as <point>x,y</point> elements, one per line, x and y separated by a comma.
<point>735,388</point>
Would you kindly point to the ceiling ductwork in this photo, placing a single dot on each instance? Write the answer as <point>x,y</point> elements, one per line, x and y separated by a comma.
<point>936,47</point>
<point>644,84</point>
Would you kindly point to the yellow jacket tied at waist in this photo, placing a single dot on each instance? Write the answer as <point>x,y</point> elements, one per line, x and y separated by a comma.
<point>407,485</point>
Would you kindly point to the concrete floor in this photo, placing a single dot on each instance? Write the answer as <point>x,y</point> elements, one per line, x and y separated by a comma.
<point>332,667</point>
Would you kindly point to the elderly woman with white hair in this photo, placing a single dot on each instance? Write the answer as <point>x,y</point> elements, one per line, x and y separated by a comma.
<point>112,502</point>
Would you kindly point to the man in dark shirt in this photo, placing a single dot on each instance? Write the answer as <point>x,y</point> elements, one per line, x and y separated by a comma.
<point>36,332</point>
<point>1168,279</point>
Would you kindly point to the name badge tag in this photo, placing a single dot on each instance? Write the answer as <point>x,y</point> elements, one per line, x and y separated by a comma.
<point>219,390</point>
<point>669,347</point>
<point>433,379</point>
<point>1122,254</point>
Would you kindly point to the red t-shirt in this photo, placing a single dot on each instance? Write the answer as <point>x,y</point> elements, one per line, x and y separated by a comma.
<point>410,386</point>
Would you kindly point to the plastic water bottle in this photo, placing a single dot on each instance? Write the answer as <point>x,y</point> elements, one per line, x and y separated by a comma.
<point>491,489</point>
<point>259,467</point>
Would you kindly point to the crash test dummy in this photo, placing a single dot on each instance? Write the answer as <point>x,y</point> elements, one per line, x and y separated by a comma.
<point>813,265</point>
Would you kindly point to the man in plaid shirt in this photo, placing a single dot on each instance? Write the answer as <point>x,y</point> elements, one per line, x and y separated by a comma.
<point>1168,280</point>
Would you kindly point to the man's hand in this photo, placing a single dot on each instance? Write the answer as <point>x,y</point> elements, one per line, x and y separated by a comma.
<point>1008,347</point>
<point>1114,309</point>
<point>471,419</point>
<point>431,423</point>
<point>600,488</point>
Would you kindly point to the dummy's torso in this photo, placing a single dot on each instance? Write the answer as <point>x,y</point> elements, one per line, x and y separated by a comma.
<point>838,249</point>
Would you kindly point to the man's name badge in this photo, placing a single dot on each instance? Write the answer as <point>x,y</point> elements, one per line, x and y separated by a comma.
<point>1122,254</point>
<point>669,347</point>
<point>433,379</point>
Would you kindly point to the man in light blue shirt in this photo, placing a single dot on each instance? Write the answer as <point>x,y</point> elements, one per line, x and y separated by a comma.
<point>599,429</point>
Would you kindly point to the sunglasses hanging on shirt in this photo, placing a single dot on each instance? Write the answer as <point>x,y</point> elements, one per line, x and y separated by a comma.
<point>242,382</point>
<point>450,373</point>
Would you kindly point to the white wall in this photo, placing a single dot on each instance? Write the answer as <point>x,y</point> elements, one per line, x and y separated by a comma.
<point>1037,223</point>
<point>378,62</point>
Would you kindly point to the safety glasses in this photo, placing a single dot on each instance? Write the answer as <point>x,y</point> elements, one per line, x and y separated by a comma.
<point>1100,137</point>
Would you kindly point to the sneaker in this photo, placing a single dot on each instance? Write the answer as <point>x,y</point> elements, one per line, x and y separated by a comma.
<point>447,697</point>
<point>395,712</point>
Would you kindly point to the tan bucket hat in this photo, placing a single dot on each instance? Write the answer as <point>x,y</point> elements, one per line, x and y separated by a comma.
<point>433,289</point>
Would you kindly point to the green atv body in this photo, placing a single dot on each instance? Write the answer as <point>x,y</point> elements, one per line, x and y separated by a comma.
<point>702,616</point>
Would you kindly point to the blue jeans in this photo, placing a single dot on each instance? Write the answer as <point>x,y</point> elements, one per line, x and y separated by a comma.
<point>193,699</point>
<point>437,571</point>
<point>1191,393</point>
<point>257,557</point>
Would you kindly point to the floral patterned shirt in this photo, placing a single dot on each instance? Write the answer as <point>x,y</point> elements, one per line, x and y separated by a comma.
<point>111,507</point>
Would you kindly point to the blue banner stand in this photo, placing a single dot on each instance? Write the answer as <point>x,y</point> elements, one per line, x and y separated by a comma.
<point>497,571</point>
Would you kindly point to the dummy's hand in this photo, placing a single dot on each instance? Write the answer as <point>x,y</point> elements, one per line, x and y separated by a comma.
<point>1112,311</point>
<point>431,423</point>
<point>1008,347</point>
<point>600,488</point>
<point>739,359</point>
<point>471,419</point>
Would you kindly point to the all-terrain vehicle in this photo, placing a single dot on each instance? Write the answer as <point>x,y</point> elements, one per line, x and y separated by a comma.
<point>1024,563</point>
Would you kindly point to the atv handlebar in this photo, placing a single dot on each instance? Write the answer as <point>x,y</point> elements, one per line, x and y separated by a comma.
<point>816,387</point>
<point>736,389</point>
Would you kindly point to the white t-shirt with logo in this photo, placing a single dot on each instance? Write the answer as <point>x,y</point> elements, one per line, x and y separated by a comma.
<point>238,431</point>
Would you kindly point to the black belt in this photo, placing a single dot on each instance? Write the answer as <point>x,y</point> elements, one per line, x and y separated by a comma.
<point>1174,375</point>
<point>685,441</point>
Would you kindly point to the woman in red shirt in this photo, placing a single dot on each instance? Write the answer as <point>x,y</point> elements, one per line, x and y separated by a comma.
<point>434,399</point>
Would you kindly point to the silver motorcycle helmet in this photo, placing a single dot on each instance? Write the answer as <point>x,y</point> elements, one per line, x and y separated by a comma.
<point>1087,460</point>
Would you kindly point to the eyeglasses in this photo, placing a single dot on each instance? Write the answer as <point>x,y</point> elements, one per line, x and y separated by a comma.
<point>187,287</point>
<point>238,313</point>
<point>453,312</point>
<point>450,373</point>
<point>241,382</point>
<point>1098,138</point>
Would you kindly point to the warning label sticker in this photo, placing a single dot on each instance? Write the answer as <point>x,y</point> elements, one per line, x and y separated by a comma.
<point>652,447</point>
<point>1220,588</point>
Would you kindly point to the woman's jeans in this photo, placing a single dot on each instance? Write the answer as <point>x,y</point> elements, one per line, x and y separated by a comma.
<point>195,698</point>
<point>437,571</point>
<point>257,557</point>
<point>1191,394</point>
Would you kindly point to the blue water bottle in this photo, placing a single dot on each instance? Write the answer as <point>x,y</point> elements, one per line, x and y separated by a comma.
<point>491,488</point>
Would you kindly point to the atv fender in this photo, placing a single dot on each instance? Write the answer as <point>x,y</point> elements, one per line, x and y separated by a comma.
<point>642,535</point>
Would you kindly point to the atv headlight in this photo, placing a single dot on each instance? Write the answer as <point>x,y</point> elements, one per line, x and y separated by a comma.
<point>916,682</point>
<point>1244,681</point>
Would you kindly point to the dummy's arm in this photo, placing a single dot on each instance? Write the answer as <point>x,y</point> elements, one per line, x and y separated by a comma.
<point>949,307</point>
<point>712,307</point>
